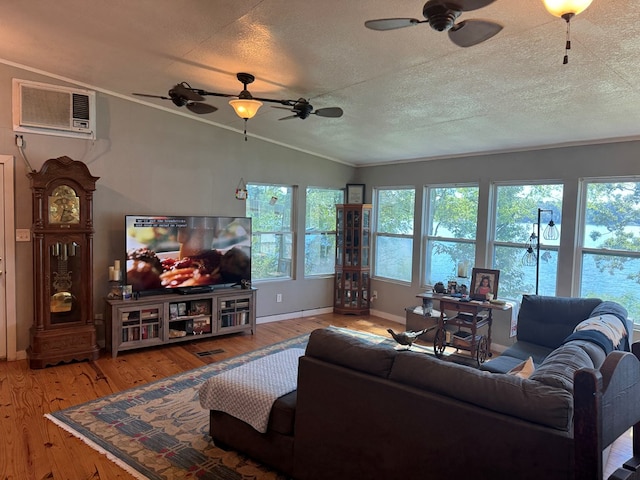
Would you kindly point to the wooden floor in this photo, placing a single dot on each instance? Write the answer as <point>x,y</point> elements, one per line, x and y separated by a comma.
<point>33,448</point>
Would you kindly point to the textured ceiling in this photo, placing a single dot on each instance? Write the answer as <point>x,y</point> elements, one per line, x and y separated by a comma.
<point>406,94</point>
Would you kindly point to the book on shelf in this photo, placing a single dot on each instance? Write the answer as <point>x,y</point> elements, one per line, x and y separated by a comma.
<point>149,313</point>
<point>463,335</point>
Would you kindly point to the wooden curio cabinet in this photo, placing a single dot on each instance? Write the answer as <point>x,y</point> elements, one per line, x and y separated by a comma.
<point>63,329</point>
<point>353,259</point>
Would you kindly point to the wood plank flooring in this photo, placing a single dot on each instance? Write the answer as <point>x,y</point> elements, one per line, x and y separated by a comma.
<point>33,448</point>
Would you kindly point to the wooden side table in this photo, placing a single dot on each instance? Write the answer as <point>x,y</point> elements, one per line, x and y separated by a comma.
<point>470,325</point>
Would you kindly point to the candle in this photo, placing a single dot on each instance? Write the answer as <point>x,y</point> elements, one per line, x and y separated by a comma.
<point>112,273</point>
<point>462,269</point>
<point>116,265</point>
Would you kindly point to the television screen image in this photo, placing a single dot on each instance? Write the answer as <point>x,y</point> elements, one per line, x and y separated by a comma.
<point>182,252</point>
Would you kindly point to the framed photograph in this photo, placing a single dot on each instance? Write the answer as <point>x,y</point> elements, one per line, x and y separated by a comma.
<point>182,309</point>
<point>173,311</point>
<point>355,193</point>
<point>484,284</point>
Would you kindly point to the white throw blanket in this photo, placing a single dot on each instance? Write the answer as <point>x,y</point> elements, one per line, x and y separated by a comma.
<point>248,392</point>
<point>609,325</point>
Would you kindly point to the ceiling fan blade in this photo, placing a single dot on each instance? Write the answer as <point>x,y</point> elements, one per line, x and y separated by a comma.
<point>468,5</point>
<point>182,91</point>
<point>289,117</point>
<point>331,112</point>
<point>391,23</point>
<point>282,108</point>
<point>201,108</point>
<point>473,32</point>
<point>148,95</point>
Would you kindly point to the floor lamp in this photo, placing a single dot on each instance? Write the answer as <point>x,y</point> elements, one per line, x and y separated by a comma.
<point>532,257</point>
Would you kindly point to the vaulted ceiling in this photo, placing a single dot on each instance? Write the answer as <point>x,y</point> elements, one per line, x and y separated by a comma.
<point>406,94</point>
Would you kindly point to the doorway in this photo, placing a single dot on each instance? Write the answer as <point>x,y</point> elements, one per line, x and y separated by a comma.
<point>8,321</point>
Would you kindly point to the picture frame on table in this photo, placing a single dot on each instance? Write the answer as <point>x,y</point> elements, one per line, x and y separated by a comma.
<point>484,284</point>
<point>355,193</point>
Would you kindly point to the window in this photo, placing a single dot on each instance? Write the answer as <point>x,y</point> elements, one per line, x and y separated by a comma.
<point>393,238</point>
<point>516,219</point>
<point>320,230</point>
<point>610,244</point>
<point>271,210</point>
<point>451,219</point>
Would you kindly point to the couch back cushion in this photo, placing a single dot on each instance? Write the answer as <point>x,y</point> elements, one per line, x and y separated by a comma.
<point>507,394</point>
<point>559,367</point>
<point>340,348</point>
<point>547,321</point>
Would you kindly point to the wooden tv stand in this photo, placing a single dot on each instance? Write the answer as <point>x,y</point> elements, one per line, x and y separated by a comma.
<point>172,318</point>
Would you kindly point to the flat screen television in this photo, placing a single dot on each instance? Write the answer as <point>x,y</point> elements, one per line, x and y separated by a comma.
<point>186,253</point>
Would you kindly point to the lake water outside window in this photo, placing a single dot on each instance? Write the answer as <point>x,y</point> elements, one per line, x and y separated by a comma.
<point>516,218</point>
<point>610,243</point>
<point>450,239</point>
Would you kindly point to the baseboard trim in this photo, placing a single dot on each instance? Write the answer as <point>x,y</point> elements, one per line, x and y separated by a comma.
<point>292,315</point>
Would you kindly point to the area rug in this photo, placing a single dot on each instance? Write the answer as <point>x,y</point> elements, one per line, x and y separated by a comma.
<point>159,431</point>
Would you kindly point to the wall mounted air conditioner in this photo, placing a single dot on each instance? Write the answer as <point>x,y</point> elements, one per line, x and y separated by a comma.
<point>53,110</point>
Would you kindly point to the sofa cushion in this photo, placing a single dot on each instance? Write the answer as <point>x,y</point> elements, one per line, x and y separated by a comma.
<point>523,369</point>
<point>547,321</point>
<point>515,354</point>
<point>523,350</point>
<point>507,394</point>
<point>560,366</point>
<point>339,348</point>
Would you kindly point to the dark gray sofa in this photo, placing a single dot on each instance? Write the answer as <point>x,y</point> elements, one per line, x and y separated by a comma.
<point>545,323</point>
<point>364,410</point>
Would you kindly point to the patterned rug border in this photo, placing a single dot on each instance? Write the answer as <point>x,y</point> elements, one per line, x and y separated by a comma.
<point>136,395</point>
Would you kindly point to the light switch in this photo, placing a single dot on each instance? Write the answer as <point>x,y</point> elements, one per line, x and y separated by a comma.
<point>23,235</point>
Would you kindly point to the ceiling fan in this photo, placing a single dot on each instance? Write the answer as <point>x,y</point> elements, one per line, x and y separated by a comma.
<point>441,15</point>
<point>244,104</point>
<point>182,95</point>
<point>301,109</point>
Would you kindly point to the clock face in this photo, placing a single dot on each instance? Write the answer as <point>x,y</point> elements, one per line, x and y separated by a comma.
<point>64,206</point>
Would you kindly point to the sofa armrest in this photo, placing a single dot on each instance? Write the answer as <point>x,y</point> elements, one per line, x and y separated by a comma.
<point>606,406</point>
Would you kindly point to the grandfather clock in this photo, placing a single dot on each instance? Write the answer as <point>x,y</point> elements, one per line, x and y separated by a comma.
<point>63,328</point>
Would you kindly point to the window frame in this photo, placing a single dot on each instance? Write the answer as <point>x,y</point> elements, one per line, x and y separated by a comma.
<point>376,234</point>
<point>292,229</point>
<point>428,240</point>
<point>581,225</point>
<point>494,244</point>
<point>332,232</point>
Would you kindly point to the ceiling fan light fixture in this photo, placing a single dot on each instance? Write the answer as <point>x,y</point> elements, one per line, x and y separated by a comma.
<point>566,8</point>
<point>245,108</point>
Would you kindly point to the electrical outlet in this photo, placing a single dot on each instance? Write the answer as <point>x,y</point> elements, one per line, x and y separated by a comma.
<point>278,297</point>
<point>375,294</point>
<point>23,235</point>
